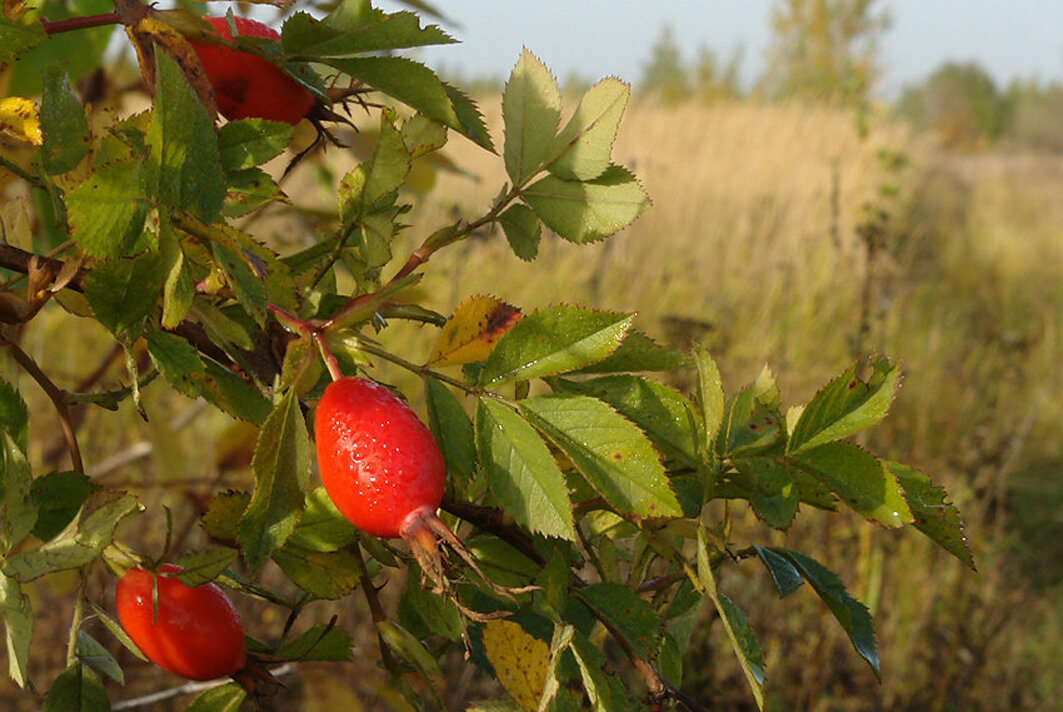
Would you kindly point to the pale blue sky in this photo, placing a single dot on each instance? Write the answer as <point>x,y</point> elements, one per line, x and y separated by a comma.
<point>594,38</point>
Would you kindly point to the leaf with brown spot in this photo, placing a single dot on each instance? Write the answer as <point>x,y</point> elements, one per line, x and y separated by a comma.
<point>151,31</point>
<point>471,332</point>
<point>519,659</point>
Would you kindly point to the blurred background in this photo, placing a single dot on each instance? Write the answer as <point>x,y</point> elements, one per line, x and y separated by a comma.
<point>830,178</point>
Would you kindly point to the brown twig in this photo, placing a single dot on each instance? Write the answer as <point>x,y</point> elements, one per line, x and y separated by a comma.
<point>493,521</point>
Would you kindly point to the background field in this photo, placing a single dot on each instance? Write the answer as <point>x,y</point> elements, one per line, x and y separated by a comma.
<point>757,247</point>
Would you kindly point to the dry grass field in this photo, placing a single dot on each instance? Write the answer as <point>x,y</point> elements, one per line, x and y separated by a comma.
<point>756,246</point>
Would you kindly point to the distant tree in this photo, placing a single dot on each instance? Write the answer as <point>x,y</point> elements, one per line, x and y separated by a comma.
<point>664,74</point>
<point>825,49</point>
<point>714,81</point>
<point>961,102</point>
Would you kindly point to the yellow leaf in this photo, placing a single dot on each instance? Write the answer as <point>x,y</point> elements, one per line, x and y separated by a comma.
<point>18,119</point>
<point>519,659</point>
<point>471,332</point>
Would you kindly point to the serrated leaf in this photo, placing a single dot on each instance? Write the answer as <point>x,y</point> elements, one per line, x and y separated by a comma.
<point>472,330</point>
<point>453,432</point>
<point>249,289</point>
<point>710,394</point>
<point>107,211</point>
<point>423,135</point>
<point>786,577</point>
<point>523,476</point>
<point>853,615</point>
<point>584,146</point>
<point>225,698</point>
<point>178,290</point>
<point>658,410</point>
<point>531,111</point>
<point>223,513</point>
<point>407,647</point>
<point>59,497</point>
<point>519,659</point>
<point>184,163</point>
<point>424,612</point>
<point>77,688</point>
<point>318,642</point>
<point>846,405</point>
<point>18,509</point>
<point>380,176</point>
<point>587,211</point>
<point>638,352</point>
<point>123,292</point>
<point>591,664</point>
<point>308,38</point>
<point>626,614</point>
<point>325,574</point>
<point>932,513</point>
<point>17,37</point>
<point>469,117</point>
<point>63,124</point>
<point>322,527</point>
<point>769,486</point>
<point>200,567</point>
<point>17,616</point>
<point>860,479</point>
<point>617,459</point>
<point>247,143</point>
<point>14,417</point>
<point>233,395</point>
<point>750,425</point>
<point>743,640</point>
<point>76,546</point>
<point>249,190</point>
<point>92,653</point>
<point>177,361</point>
<point>522,230</point>
<point>554,340</point>
<point>282,470</point>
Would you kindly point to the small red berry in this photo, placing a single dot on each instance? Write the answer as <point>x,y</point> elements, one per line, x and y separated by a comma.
<point>378,461</point>
<point>246,86</point>
<point>195,632</point>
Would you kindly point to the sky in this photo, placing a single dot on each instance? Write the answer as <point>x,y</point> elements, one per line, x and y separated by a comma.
<point>594,38</point>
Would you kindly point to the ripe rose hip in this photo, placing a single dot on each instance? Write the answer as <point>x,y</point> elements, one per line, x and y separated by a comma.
<point>195,633</point>
<point>379,463</point>
<point>246,86</point>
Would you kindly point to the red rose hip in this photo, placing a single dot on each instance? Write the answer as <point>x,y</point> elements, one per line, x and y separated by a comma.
<point>379,463</point>
<point>196,632</point>
<point>246,86</point>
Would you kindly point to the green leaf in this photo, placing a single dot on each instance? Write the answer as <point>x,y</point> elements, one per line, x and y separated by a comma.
<point>660,411</point>
<point>247,143</point>
<point>249,190</point>
<point>852,614</point>
<point>14,417</point>
<point>710,394</point>
<point>638,352</point>
<point>18,509</point>
<point>407,647</point>
<point>177,361</point>
<point>592,665</point>
<point>75,547</point>
<point>627,615</point>
<point>17,37</point>
<point>932,513</point>
<point>59,497</point>
<point>123,292</point>
<point>281,464</point>
<point>785,575</point>
<point>751,424</point>
<point>178,290</point>
<point>17,615</point>
<point>325,574</point>
<point>531,111</point>
<point>587,211</point>
<point>586,142</point>
<point>63,124</point>
<point>223,513</point>
<point>248,288</point>
<point>184,165</point>
<point>92,653</point>
<point>108,210</point>
<point>615,456</point>
<point>846,405</point>
<point>322,527</point>
<point>860,479</point>
<point>200,567</point>
<point>522,230</point>
<point>381,176</point>
<point>118,632</point>
<point>523,476</point>
<point>233,395</point>
<point>422,610</point>
<point>554,340</point>
<point>77,688</point>
<point>226,698</point>
<point>453,432</point>
<point>308,38</point>
<point>469,117</point>
<point>769,486</point>
<point>743,640</point>
<point>318,642</point>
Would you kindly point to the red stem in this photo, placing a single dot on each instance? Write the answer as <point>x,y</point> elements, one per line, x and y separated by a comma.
<point>80,23</point>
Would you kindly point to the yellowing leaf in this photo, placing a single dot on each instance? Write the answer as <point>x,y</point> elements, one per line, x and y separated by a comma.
<point>19,120</point>
<point>471,332</point>
<point>519,659</point>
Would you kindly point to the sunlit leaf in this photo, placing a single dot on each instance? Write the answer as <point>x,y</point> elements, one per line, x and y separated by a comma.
<point>453,432</point>
<point>520,661</point>
<point>226,698</point>
<point>860,480</point>
<point>586,142</point>
<point>588,211</point>
<point>472,330</point>
<point>18,509</point>
<point>531,110</point>
<point>932,513</point>
<point>17,615</point>
<point>200,567</point>
<point>66,132</point>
